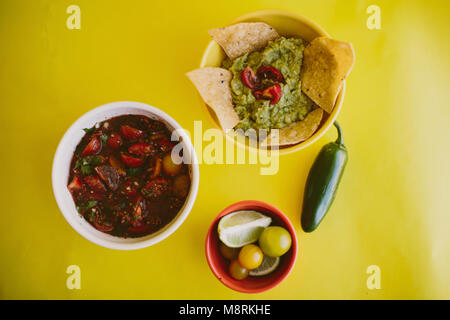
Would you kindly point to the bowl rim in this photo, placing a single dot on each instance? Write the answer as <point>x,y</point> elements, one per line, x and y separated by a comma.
<point>325,126</point>
<point>70,213</point>
<point>246,205</point>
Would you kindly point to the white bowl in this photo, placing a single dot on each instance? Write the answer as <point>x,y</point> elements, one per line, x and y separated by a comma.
<point>61,167</point>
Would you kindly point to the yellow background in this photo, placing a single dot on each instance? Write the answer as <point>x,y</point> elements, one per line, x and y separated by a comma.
<point>392,209</point>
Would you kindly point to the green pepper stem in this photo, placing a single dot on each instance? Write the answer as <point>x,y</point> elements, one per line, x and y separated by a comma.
<point>340,138</point>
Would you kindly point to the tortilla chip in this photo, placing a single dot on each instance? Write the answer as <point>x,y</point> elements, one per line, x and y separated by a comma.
<point>326,64</point>
<point>242,38</point>
<point>213,84</point>
<point>296,132</point>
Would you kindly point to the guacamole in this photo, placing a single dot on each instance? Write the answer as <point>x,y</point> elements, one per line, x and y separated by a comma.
<point>254,107</point>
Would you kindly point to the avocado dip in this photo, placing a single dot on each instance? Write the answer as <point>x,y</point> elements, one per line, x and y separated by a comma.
<point>266,86</point>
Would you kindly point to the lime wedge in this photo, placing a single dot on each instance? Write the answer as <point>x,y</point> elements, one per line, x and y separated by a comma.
<point>267,266</point>
<point>242,227</point>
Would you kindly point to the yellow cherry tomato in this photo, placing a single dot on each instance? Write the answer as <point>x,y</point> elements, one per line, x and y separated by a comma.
<point>250,256</point>
<point>227,252</point>
<point>181,185</point>
<point>237,271</point>
<point>170,167</point>
<point>275,241</point>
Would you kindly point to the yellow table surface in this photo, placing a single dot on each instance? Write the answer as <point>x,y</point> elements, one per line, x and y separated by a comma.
<point>392,208</point>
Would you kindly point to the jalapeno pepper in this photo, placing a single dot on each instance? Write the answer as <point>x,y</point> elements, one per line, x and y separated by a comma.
<point>323,181</point>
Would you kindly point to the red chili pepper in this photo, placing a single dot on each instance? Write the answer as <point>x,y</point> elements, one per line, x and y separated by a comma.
<point>131,161</point>
<point>249,78</point>
<point>115,141</point>
<point>130,133</point>
<point>269,72</point>
<point>272,93</point>
<point>140,149</point>
<point>94,146</point>
<point>259,95</point>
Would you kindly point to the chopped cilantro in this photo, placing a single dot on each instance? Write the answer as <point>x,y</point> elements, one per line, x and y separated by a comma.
<point>95,161</point>
<point>91,204</point>
<point>104,138</point>
<point>86,206</point>
<point>146,192</point>
<point>89,130</point>
<point>87,163</point>
<point>86,169</point>
<point>134,171</point>
<point>78,163</point>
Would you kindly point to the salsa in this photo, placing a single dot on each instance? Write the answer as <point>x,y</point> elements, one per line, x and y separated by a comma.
<point>266,86</point>
<point>123,179</point>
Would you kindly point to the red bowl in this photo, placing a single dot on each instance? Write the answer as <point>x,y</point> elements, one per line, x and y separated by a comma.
<point>219,265</point>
